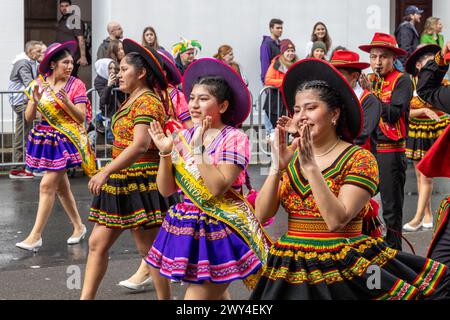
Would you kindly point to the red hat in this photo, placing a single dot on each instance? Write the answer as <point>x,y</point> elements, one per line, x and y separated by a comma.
<point>383,40</point>
<point>347,59</point>
<point>447,57</point>
<point>286,44</point>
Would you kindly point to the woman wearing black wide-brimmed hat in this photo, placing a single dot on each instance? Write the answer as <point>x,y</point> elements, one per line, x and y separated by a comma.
<point>325,184</point>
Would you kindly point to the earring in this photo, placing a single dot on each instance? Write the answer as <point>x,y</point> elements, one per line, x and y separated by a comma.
<point>334,122</point>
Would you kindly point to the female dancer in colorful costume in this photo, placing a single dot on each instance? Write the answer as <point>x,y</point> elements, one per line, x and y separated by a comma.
<point>426,123</point>
<point>59,142</point>
<point>212,238</point>
<point>125,191</point>
<point>325,184</point>
<point>179,118</point>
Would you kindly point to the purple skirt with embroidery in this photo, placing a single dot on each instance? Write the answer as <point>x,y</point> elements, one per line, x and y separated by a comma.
<point>193,247</point>
<point>48,149</point>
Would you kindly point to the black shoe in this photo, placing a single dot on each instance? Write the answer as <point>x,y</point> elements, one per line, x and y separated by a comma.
<point>99,126</point>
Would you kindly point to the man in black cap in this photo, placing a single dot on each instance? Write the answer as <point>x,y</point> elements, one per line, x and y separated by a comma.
<point>406,33</point>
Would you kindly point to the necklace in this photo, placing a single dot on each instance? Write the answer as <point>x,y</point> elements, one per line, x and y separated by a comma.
<point>329,150</point>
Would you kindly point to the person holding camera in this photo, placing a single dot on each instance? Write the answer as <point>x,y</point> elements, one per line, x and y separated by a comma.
<point>110,99</point>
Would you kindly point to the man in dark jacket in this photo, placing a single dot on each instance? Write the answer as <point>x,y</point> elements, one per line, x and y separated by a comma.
<point>406,33</point>
<point>115,32</point>
<point>24,71</point>
<point>270,46</point>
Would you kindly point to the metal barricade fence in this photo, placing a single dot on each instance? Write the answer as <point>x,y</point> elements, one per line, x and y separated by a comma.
<point>8,144</point>
<point>258,126</point>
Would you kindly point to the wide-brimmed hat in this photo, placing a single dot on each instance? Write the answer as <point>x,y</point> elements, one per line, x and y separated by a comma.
<point>54,48</point>
<point>317,69</point>
<point>241,104</point>
<point>383,40</point>
<point>410,64</point>
<point>173,74</point>
<point>347,59</point>
<point>152,58</point>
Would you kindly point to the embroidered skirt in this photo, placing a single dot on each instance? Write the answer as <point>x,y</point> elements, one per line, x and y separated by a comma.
<point>130,199</point>
<point>422,133</point>
<point>440,245</point>
<point>48,149</point>
<point>353,268</point>
<point>193,247</point>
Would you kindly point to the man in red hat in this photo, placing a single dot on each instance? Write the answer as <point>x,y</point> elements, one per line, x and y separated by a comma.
<point>348,64</point>
<point>394,90</point>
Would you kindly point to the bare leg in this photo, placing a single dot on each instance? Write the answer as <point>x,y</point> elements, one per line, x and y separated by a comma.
<point>144,241</point>
<point>207,291</point>
<point>424,188</point>
<point>100,241</point>
<point>141,274</point>
<point>47,192</point>
<point>67,199</point>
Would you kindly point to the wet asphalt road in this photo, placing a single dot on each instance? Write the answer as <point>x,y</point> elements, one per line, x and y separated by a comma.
<point>55,271</point>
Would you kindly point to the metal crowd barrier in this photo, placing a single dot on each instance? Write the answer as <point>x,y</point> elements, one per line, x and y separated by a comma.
<point>7,150</point>
<point>257,126</point>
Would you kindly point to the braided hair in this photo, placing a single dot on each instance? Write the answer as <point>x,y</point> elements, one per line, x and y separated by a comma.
<point>219,88</point>
<point>330,96</point>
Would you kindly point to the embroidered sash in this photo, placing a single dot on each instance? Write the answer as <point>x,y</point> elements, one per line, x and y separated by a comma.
<point>231,208</point>
<point>60,117</point>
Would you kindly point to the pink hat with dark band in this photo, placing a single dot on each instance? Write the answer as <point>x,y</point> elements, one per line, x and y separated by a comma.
<point>54,48</point>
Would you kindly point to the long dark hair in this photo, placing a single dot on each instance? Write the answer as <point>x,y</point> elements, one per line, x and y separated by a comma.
<point>60,55</point>
<point>138,62</point>
<point>218,87</point>
<point>144,43</point>
<point>329,96</point>
<point>326,39</point>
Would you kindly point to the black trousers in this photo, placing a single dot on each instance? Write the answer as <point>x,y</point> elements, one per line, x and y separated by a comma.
<point>392,167</point>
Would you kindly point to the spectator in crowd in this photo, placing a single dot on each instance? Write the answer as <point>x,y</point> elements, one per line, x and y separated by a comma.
<point>274,77</point>
<point>43,49</point>
<point>150,38</point>
<point>69,29</point>
<point>318,50</point>
<point>320,33</point>
<point>185,52</point>
<point>110,101</point>
<point>115,32</point>
<point>406,33</point>
<point>270,46</point>
<point>225,53</point>
<point>24,71</point>
<point>115,51</point>
<point>432,32</point>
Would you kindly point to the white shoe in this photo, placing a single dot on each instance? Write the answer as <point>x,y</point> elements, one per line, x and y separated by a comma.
<point>30,247</point>
<point>136,286</point>
<point>407,227</point>
<point>427,225</point>
<point>76,240</point>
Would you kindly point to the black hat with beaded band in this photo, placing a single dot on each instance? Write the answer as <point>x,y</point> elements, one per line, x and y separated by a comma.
<point>151,56</point>
<point>410,64</point>
<point>241,105</point>
<point>317,69</point>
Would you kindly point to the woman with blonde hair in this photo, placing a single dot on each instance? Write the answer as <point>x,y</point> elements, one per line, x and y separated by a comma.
<point>432,32</point>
